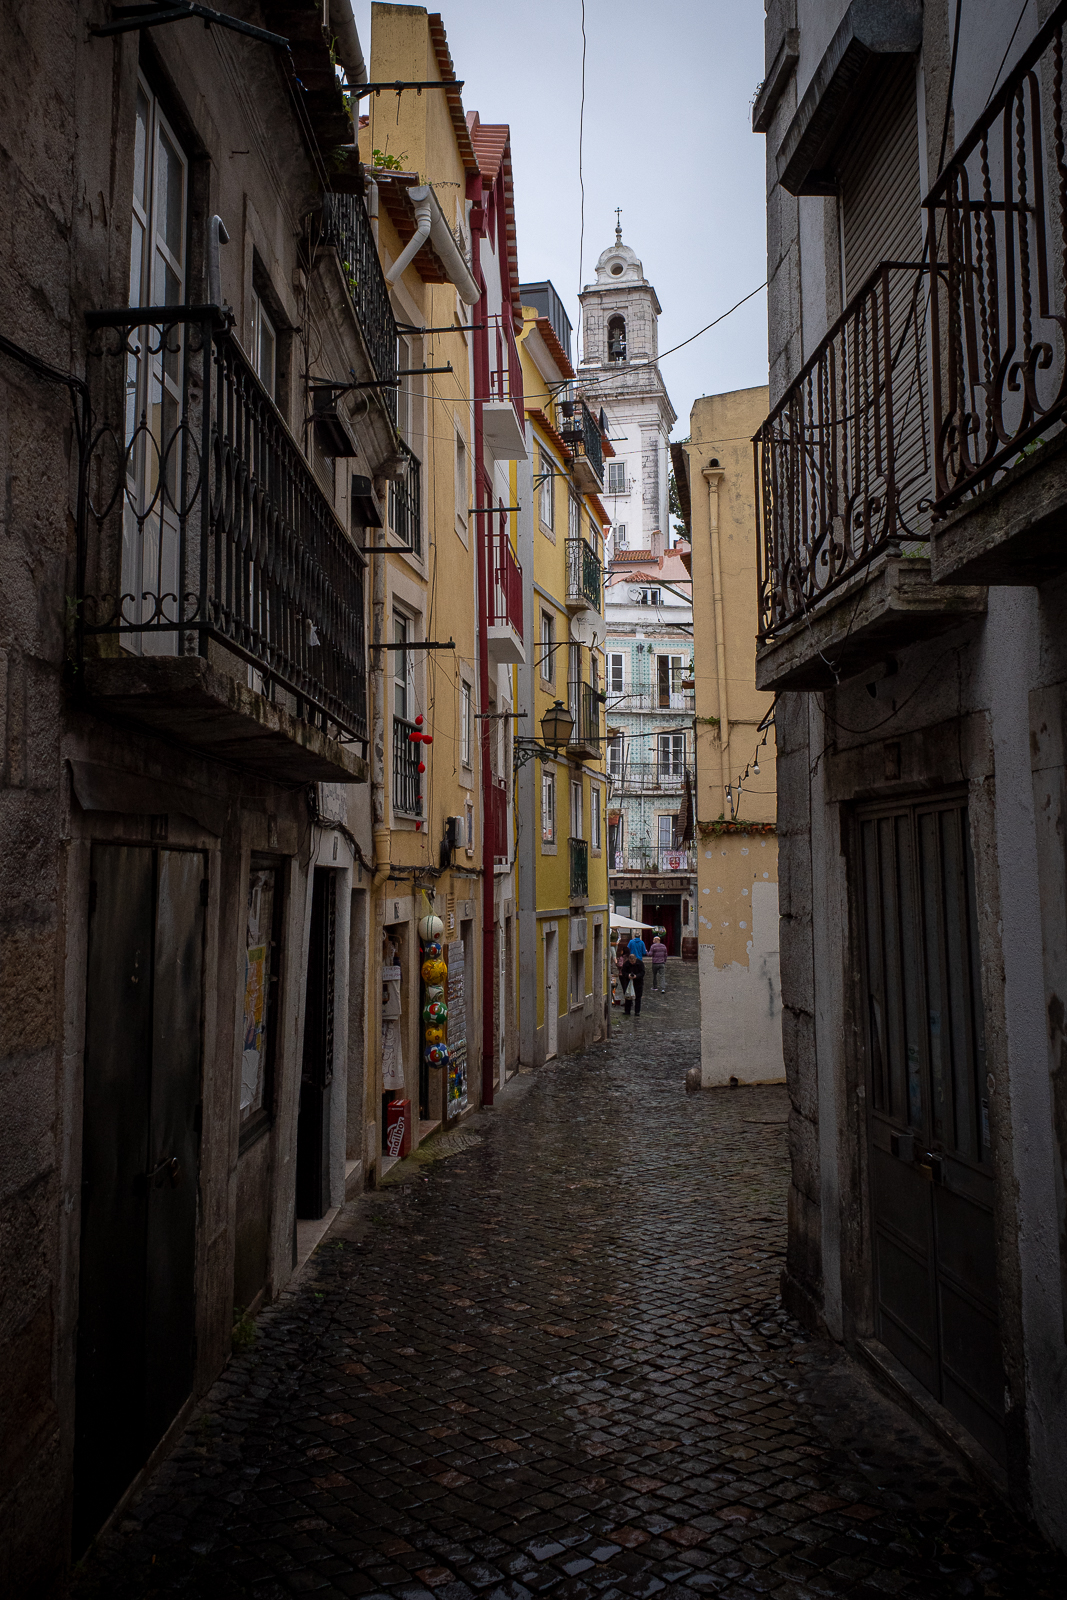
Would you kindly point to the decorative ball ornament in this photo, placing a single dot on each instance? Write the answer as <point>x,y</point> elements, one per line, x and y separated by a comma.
<point>434,971</point>
<point>436,1055</point>
<point>434,1011</point>
<point>432,948</point>
<point>431,928</point>
<point>435,1036</point>
<point>435,991</point>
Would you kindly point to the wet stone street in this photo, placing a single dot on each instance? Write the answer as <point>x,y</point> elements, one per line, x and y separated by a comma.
<point>552,1362</point>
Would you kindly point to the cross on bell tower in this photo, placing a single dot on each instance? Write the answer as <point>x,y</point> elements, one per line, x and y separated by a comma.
<point>618,224</point>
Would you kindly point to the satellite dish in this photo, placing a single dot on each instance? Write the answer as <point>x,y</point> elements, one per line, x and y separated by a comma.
<point>589,629</point>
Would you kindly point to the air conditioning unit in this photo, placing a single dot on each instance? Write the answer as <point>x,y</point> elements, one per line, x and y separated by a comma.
<point>579,933</point>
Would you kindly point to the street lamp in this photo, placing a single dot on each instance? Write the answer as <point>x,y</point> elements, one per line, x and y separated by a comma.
<point>557,725</point>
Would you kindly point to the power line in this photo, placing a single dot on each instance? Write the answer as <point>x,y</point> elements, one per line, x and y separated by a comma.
<point>631,366</point>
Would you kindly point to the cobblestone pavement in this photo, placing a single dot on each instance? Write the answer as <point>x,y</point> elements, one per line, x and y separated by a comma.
<point>555,1364</point>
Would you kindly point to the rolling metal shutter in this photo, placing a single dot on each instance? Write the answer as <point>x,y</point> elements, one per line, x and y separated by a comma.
<point>879,176</point>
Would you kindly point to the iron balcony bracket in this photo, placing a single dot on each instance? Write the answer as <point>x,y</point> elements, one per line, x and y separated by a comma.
<point>131,18</point>
<point>416,644</point>
<point>491,511</point>
<point>159,316</point>
<point>386,549</point>
<point>360,90</point>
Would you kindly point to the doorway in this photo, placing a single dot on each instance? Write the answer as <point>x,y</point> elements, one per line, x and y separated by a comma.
<point>316,1076</point>
<point>931,1170</point>
<point>664,911</point>
<point>598,980</point>
<point>140,1165</point>
<point>551,993</point>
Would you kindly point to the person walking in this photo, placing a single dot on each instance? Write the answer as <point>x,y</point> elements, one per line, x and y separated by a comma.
<point>637,950</point>
<point>618,982</point>
<point>659,965</point>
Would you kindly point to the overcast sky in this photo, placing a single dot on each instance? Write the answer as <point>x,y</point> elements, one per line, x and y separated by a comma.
<point>668,137</point>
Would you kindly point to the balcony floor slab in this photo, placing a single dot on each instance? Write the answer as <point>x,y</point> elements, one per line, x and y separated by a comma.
<point>1012,533</point>
<point>185,698</point>
<point>892,604</point>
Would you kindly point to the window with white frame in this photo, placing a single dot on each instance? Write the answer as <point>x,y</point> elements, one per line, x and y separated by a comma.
<point>401,667</point>
<point>466,723</point>
<point>577,819</point>
<point>666,832</point>
<point>548,807</point>
<point>616,671</point>
<point>594,815</point>
<point>470,824</point>
<point>574,519</point>
<point>615,755</point>
<point>649,597</point>
<point>462,480</point>
<point>671,752</point>
<point>264,345</point>
<point>616,477</point>
<point>548,647</point>
<point>546,496</point>
<point>620,536</point>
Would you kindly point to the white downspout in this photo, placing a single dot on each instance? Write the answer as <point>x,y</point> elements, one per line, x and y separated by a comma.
<point>371,199</point>
<point>423,209</point>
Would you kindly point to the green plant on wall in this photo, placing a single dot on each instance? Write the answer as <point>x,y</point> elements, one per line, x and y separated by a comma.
<point>387,163</point>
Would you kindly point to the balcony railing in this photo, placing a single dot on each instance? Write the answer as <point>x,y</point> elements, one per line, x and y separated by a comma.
<point>654,700</point>
<point>673,861</point>
<point>579,850</point>
<point>584,703</point>
<point>407,757</point>
<point>579,431</point>
<point>998,219</point>
<point>345,225</point>
<point>584,575</point>
<point>505,586</point>
<point>498,821</point>
<point>647,777</point>
<point>204,527</point>
<point>842,462</point>
<point>405,501</point>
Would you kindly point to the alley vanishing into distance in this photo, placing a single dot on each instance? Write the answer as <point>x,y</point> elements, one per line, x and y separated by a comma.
<point>553,1361</point>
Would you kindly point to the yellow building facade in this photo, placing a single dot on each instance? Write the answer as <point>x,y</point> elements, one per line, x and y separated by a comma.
<point>561,792</point>
<point>736,831</point>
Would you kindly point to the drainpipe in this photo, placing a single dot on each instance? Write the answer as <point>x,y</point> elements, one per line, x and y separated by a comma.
<point>713,476</point>
<point>482,540</point>
<point>379,821</point>
<point>423,216</point>
<point>370,195</point>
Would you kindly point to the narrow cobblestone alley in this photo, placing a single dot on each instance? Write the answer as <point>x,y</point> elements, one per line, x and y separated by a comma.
<point>555,1363</point>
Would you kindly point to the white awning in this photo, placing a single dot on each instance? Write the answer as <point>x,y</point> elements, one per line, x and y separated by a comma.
<point>618,921</point>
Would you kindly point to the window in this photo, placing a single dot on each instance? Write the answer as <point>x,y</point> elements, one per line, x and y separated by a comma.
<point>617,338</point>
<point>616,840</point>
<point>666,832</point>
<point>615,672</point>
<point>594,672</point>
<point>671,755</point>
<point>649,597</point>
<point>616,477</point>
<point>401,683</point>
<point>615,756</point>
<point>154,378</point>
<point>466,723</point>
<point>594,815</point>
<point>574,523</point>
<point>548,807</point>
<point>546,490</point>
<point>462,481</point>
<point>264,345</point>
<point>669,679</point>
<point>548,647</point>
<point>470,825</point>
<point>577,977</point>
<point>620,536</point>
<point>577,818</point>
<point>574,683</point>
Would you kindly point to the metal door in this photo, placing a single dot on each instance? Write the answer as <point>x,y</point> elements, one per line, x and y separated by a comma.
<point>140,1144</point>
<point>316,1079</point>
<point>931,1172</point>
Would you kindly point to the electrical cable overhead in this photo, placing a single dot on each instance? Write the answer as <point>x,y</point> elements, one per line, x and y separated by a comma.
<point>588,383</point>
<point>581,186</point>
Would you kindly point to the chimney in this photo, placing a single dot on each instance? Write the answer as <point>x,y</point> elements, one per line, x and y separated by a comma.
<point>657,546</point>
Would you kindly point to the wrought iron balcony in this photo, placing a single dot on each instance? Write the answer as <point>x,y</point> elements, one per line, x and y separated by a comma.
<point>498,822</point>
<point>648,777</point>
<point>578,429</point>
<point>584,703</point>
<point>346,226</point>
<point>405,501</point>
<point>584,575</point>
<point>505,600</point>
<point>407,779</point>
<point>842,464</point>
<point>997,220</point>
<point>653,700</point>
<point>205,538</point>
<point>579,852</point>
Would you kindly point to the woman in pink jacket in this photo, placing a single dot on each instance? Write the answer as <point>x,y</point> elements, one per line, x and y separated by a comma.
<point>658,957</point>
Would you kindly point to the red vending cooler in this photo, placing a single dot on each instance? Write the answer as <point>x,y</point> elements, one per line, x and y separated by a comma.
<point>398,1128</point>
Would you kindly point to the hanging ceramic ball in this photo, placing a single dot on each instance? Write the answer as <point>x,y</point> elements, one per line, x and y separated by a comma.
<point>434,971</point>
<point>434,1011</point>
<point>431,927</point>
<point>431,950</point>
<point>435,991</point>
<point>435,1036</point>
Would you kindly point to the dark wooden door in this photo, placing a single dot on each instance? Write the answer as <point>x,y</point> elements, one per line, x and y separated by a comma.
<point>931,1173</point>
<point>140,1142</point>
<point>316,1079</point>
